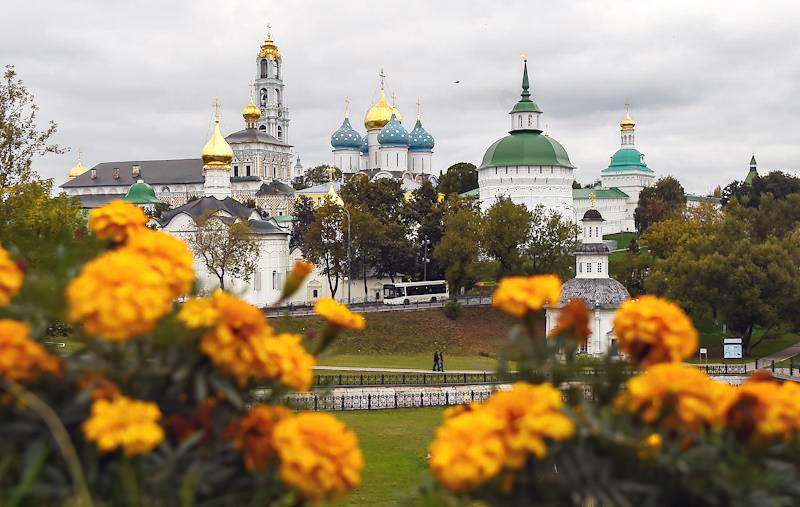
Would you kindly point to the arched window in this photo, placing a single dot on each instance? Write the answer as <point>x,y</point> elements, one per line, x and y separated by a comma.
<point>520,120</point>
<point>262,128</point>
<point>236,170</point>
<point>264,96</point>
<point>530,120</point>
<point>247,170</point>
<point>264,68</point>
<point>278,96</point>
<point>280,133</point>
<point>165,189</point>
<point>277,70</point>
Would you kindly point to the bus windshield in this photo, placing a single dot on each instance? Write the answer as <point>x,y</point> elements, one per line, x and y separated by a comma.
<point>388,291</point>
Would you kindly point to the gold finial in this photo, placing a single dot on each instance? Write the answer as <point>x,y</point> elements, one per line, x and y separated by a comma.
<point>216,110</point>
<point>330,173</point>
<point>592,197</point>
<point>346,107</point>
<point>418,108</point>
<point>81,152</point>
<point>383,76</point>
<point>394,99</point>
<point>627,123</point>
<point>269,31</point>
<point>268,48</point>
<point>78,168</point>
<point>524,57</point>
<point>217,152</point>
<point>546,132</point>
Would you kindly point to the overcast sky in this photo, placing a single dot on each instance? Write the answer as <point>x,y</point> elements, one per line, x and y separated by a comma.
<point>709,82</point>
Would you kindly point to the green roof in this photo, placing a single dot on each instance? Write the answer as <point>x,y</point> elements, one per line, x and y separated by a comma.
<point>283,218</point>
<point>627,159</point>
<point>475,192</point>
<point>750,175</point>
<point>526,147</point>
<point>525,104</point>
<point>141,193</point>
<point>703,198</point>
<point>599,193</point>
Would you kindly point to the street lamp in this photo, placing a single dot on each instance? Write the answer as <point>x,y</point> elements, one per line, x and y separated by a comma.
<point>425,259</point>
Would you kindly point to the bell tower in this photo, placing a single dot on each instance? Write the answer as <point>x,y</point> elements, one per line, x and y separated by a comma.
<point>268,89</point>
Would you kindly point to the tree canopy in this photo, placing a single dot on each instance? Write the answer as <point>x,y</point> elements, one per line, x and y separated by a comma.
<point>226,250</point>
<point>459,178</point>
<point>459,248</point>
<point>505,231</point>
<point>664,199</point>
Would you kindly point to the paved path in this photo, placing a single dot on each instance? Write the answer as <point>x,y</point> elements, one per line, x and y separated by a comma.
<point>398,370</point>
<point>378,307</point>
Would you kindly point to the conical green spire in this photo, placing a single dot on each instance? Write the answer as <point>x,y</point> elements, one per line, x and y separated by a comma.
<point>753,160</point>
<point>525,104</point>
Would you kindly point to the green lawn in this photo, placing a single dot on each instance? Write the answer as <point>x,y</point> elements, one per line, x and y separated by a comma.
<point>395,444</point>
<point>711,337</point>
<point>623,239</point>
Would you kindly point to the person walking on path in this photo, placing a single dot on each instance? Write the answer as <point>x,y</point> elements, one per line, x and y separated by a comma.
<point>441,361</point>
<point>435,361</point>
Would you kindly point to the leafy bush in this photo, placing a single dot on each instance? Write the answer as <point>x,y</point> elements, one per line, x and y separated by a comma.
<point>452,309</point>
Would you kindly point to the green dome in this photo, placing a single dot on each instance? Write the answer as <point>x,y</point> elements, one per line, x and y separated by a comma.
<point>628,159</point>
<point>526,148</point>
<point>141,193</point>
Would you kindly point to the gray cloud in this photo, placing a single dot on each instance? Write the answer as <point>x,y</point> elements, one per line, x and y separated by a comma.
<point>709,82</point>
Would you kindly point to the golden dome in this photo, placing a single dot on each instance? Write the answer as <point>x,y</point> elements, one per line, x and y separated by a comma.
<point>77,170</point>
<point>380,114</point>
<point>269,50</point>
<point>251,112</point>
<point>217,152</point>
<point>627,123</point>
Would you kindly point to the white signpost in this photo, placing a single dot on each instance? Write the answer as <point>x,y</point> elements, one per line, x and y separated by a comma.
<point>732,348</point>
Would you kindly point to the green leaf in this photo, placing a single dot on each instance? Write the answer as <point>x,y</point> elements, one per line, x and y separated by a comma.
<point>34,460</point>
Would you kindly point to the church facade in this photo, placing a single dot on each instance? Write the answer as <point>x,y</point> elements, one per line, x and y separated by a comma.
<point>261,166</point>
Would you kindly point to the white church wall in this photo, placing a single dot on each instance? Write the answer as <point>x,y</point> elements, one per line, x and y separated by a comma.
<point>601,325</point>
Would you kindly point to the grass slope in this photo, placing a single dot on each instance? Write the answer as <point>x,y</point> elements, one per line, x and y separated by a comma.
<point>395,444</point>
<point>408,339</point>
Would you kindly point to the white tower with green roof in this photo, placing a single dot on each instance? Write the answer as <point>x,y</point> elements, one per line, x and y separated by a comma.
<point>528,167</point>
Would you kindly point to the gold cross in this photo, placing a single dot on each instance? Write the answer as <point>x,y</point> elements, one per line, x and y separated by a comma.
<point>269,31</point>
<point>418,108</point>
<point>79,154</point>
<point>592,196</point>
<point>346,107</point>
<point>216,109</point>
<point>382,75</point>
<point>627,108</point>
<point>330,173</point>
<point>394,99</point>
<point>524,57</point>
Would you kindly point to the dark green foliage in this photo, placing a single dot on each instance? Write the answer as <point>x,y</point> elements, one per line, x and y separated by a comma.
<point>505,231</point>
<point>303,217</point>
<point>459,178</point>
<point>452,309</point>
<point>665,198</point>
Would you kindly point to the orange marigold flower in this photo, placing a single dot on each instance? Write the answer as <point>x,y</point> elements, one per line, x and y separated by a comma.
<point>285,359</point>
<point>118,294</point>
<point>679,395</point>
<point>126,423</point>
<point>517,295</point>
<point>184,425</point>
<point>20,357</point>
<point>652,330</point>
<point>198,312</point>
<point>253,434</point>
<point>296,276</point>
<point>468,450</point>
<point>116,220</point>
<point>761,411</point>
<point>529,415</point>
<point>169,255</point>
<point>10,277</point>
<point>319,455</point>
<point>338,314</point>
<point>573,320</point>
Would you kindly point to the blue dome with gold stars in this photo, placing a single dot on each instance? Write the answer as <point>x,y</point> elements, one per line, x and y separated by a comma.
<point>365,146</point>
<point>393,133</point>
<point>346,137</point>
<point>419,139</point>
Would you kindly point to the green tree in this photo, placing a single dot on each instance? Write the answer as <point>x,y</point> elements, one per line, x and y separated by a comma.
<point>505,231</point>
<point>303,218</point>
<point>663,199</point>
<point>320,174</point>
<point>777,183</point>
<point>631,270</point>
<point>665,236</point>
<point>20,139</point>
<point>225,249</point>
<point>459,249</point>
<point>459,178</point>
<point>325,243</point>
<point>553,240</point>
<point>425,214</point>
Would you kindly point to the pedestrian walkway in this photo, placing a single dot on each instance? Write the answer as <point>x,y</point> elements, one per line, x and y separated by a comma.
<point>399,370</point>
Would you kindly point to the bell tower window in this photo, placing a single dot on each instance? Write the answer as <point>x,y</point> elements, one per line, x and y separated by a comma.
<point>280,133</point>
<point>264,68</point>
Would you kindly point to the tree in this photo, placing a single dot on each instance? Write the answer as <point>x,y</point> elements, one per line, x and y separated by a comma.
<point>656,203</point>
<point>320,174</point>
<point>303,218</point>
<point>505,230</point>
<point>226,249</point>
<point>664,237</point>
<point>458,250</point>
<point>777,183</point>
<point>325,243</point>
<point>425,214</point>
<point>459,178</point>
<point>736,189</point>
<point>575,184</point>
<point>20,140</point>
<point>631,270</point>
<point>553,240</point>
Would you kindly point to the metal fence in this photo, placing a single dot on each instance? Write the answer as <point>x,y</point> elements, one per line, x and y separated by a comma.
<point>378,306</point>
<point>376,401</point>
<point>374,379</point>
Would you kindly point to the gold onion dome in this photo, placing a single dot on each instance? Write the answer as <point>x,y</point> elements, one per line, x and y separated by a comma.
<point>217,152</point>
<point>251,111</point>
<point>77,170</point>
<point>380,114</point>
<point>269,50</point>
<point>627,123</point>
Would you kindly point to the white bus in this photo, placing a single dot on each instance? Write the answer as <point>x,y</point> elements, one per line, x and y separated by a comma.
<point>404,293</point>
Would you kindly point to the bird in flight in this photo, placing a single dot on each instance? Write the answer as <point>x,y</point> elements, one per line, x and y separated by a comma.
<point>458,81</point>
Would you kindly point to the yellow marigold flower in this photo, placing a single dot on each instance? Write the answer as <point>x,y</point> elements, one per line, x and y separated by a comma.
<point>253,434</point>
<point>169,255</point>
<point>529,414</point>
<point>468,450</point>
<point>126,423</point>
<point>761,411</point>
<point>319,455</point>
<point>296,276</point>
<point>10,277</point>
<point>338,314</point>
<point>20,357</point>
<point>517,295</point>
<point>652,330</point>
<point>116,220</point>
<point>118,294</point>
<point>284,359</point>
<point>573,319</point>
<point>198,312</point>
<point>682,395</point>
<point>234,343</point>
